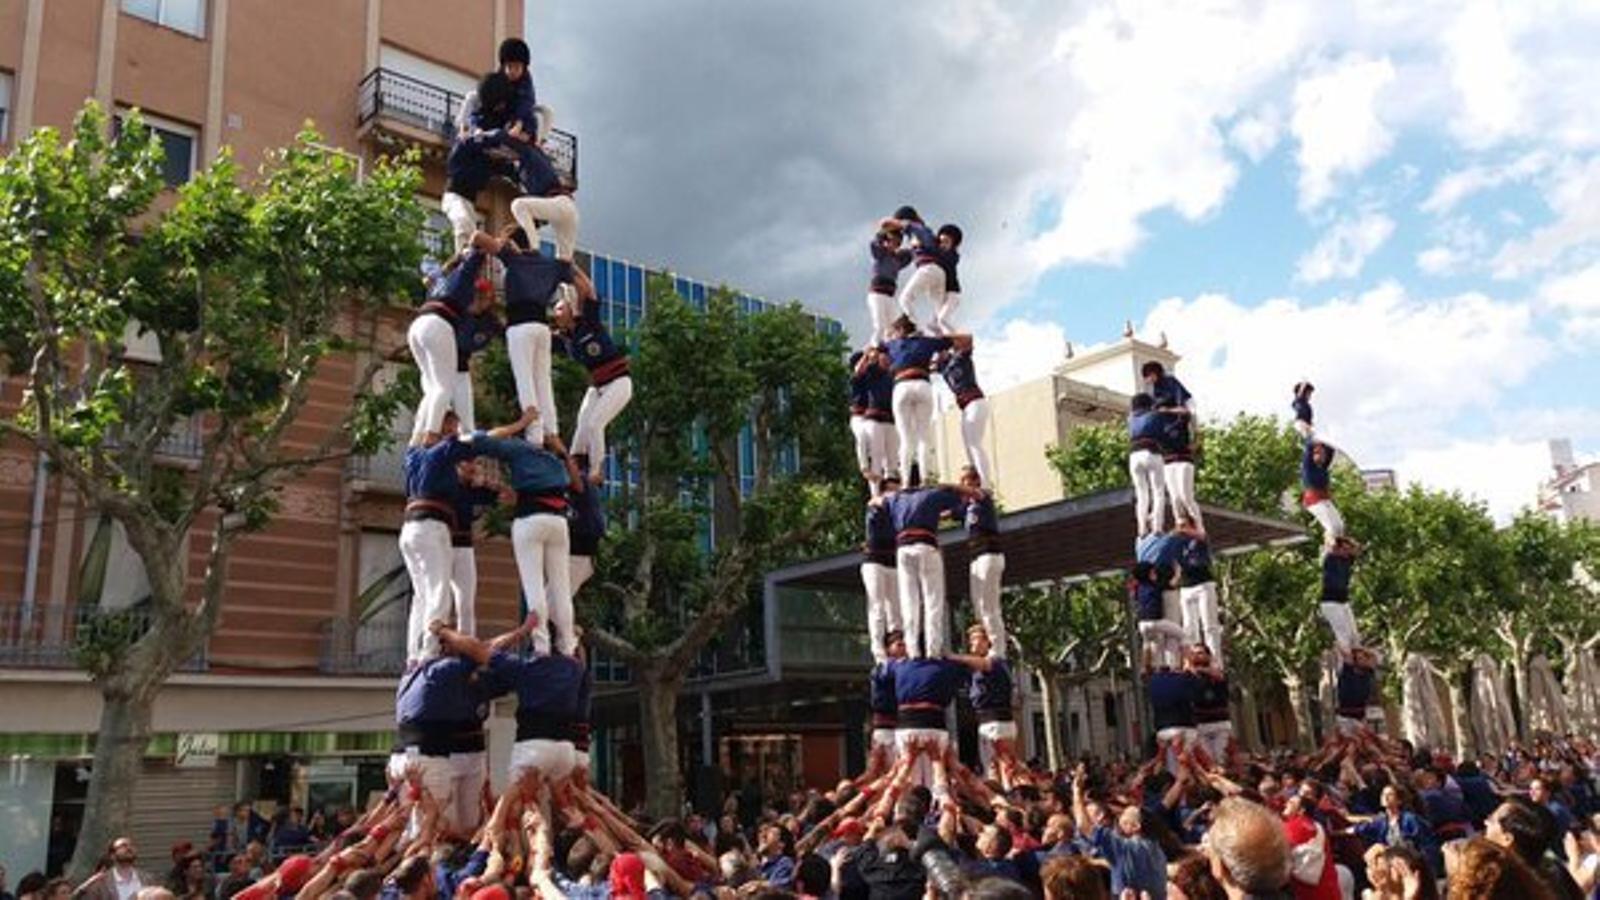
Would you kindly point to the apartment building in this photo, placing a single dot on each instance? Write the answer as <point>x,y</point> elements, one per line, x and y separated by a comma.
<point>291,701</point>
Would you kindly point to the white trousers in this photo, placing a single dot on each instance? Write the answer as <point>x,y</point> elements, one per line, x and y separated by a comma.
<point>883,604</point>
<point>581,569</point>
<point>925,281</point>
<point>922,768</point>
<point>540,544</point>
<point>528,347</point>
<point>464,588</point>
<point>1180,488</point>
<point>880,307</point>
<point>1202,620</point>
<point>1176,738</point>
<point>1213,737</point>
<point>433,345</point>
<point>1149,491</point>
<point>875,446</point>
<point>913,419</point>
<point>974,423</point>
<point>1327,515</point>
<point>554,760</point>
<point>429,558</point>
<point>461,401</point>
<point>943,320</point>
<point>560,212</point>
<point>1343,623</point>
<point>990,734</point>
<point>984,575</point>
<point>600,405</point>
<point>455,783</point>
<point>919,569</point>
<point>884,737</point>
<point>463,218</point>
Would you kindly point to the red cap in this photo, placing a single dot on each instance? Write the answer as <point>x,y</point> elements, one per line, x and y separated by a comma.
<point>492,892</point>
<point>294,872</point>
<point>627,876</point>
<point>849,828</point>
<point>261,890</point>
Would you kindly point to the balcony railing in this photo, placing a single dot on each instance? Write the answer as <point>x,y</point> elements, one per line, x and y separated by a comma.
<point>385,95</point>
<point>369,648</point>
<point>184,441</point>
<point>54,637</point>
<point>383,471</point>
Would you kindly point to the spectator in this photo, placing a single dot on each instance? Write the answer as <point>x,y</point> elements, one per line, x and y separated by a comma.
<point>412,880</point>
<point>776,850</point>
<point>1191,879</point>
<point>1248,850</point>
<point>291,835</point>
<point>813,877</point>
<point>1539,792</point>
<point>57,889</point>
<point>1485,870</point>
<point>1395,826</point>
<point>1074,878</point>
<point>189,879</point>
<point>1136,862</point>
<point>118,877</point>
<point>1528,830</point>
<point>32,886</point>
<point>237,879</point>
<point>994,852</point>
<point>1411,874</point>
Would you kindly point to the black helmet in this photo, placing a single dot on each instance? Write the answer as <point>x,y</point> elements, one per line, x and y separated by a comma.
<point>907,214</point>
<point>514,50</point>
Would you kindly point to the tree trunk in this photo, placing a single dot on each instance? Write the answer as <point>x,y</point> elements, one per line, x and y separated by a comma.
<point>1523,677</point>
<point>1052,731</point>
<point>658,729</point>
<point>1249,720</point>
<point>118,756</point>
<point>1455,684</point>
<point>1300,704</point>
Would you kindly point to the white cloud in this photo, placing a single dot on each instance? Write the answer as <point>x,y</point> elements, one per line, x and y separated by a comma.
<point>1017,351</point>
<point>1394,373</point>
<point>1503,472</point>
<point>1488,74</point>
<point>1457,186</point>
<point>1440,260</point>
<point>1344,249</point>
<point>1256,134</point>
<point>1576,296</point>
<point>1336,123</point>
<point>1573,195</point>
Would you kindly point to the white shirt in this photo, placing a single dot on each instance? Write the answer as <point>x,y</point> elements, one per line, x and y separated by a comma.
<point>126,887</point>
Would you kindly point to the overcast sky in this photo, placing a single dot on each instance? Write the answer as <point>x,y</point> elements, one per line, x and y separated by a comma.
<point>1399,201</point>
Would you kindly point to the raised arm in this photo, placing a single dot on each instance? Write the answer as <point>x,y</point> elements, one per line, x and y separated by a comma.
<point>975,663</point>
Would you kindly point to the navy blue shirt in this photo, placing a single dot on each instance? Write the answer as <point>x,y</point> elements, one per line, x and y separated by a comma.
<point>548,690</point>
<point>591,346</point>
<point>1336,569</point>
<point>467,500</point>
<point>880,532</point>
<point>1210,698</point>
<point>887,261</point>
<point>1354,690</point>
<point>1147,606</point>
<point>872,390</point>
<point>859,379</point>
<point>981,515</point>
<point>523,104</point>
<point>442,696</point>
<point>961,376</point>
<point>531,280</point>
<point>915,353</point>
<point>924,243</point>
<point>948,260</point>
<point>587,522</point>
<point>1314,476</point>
<point>1302,410</point>
<point>431,471</point>
<point>529,468</point>
<point>1147,429</point>
<point>1177,443</point>
<point>880,690</point>
<point>448,879</point>
<point>473,335</point>
<point>990,692</point>
<point>1194,559</point>
<point>916,512</point>
<point>935,681</point>
<point>1169,391</point>
<point>1159,549</point>
<point>455,290</point>
<point>1172,696</point>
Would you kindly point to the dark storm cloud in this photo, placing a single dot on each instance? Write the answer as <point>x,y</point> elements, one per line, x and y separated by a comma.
<point>757,142</point>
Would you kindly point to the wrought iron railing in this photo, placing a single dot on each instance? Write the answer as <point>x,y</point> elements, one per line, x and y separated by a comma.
<point>387,94</point>
<point>367,648</point>
<point>43,636</point>
<point>381,471</point>
<point>185,440</point>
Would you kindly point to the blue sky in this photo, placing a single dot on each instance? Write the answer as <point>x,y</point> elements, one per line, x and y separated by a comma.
<point>1400,201</point>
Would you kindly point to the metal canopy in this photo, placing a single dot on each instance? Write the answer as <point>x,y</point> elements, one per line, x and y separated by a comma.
<point>1072,539</point>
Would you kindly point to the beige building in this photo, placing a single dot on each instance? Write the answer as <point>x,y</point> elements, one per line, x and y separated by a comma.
<point>1027,419</point>
<point>1573,491</point>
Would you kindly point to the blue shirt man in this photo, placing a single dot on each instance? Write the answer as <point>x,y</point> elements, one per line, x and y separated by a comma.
<point>916,512</point>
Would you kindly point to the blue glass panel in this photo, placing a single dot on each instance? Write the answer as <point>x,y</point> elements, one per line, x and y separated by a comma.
<point>619,280</point>
<point>681,285</point>
<point>699,295</point>
<point>602,277</point>
<point>636,286</point>
<point>547,248</point>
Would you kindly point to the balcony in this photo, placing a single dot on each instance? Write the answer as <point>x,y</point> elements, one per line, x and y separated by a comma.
<point>52,637</point>
<point>399,108</point>
<point>185,442</point>
<point>383,472</point>
<point>368,648</point>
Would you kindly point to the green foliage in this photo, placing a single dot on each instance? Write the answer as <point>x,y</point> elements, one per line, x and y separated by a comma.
<point>1094,459</point>
<point>1080,629</point>
<point>1251,464</point>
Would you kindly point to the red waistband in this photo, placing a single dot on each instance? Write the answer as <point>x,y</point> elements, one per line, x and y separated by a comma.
<point>905,706</point>
<point>423,508</point>
<point>1313,496</point>
<point>962,399</point>
<point>438,308</point>
<point>911,373</point>
<point>607,372</point>
<point>909,536</point>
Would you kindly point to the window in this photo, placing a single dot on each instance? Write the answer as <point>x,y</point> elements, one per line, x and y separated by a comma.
<point>178,144</point>
<point>5,106</point>
<point>187,16</point>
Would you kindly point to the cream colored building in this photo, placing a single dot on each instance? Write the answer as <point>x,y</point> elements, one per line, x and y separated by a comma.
<point>1027,419</point>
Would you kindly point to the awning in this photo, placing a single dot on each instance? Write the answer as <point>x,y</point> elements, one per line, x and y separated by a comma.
<point>1073,539</point>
